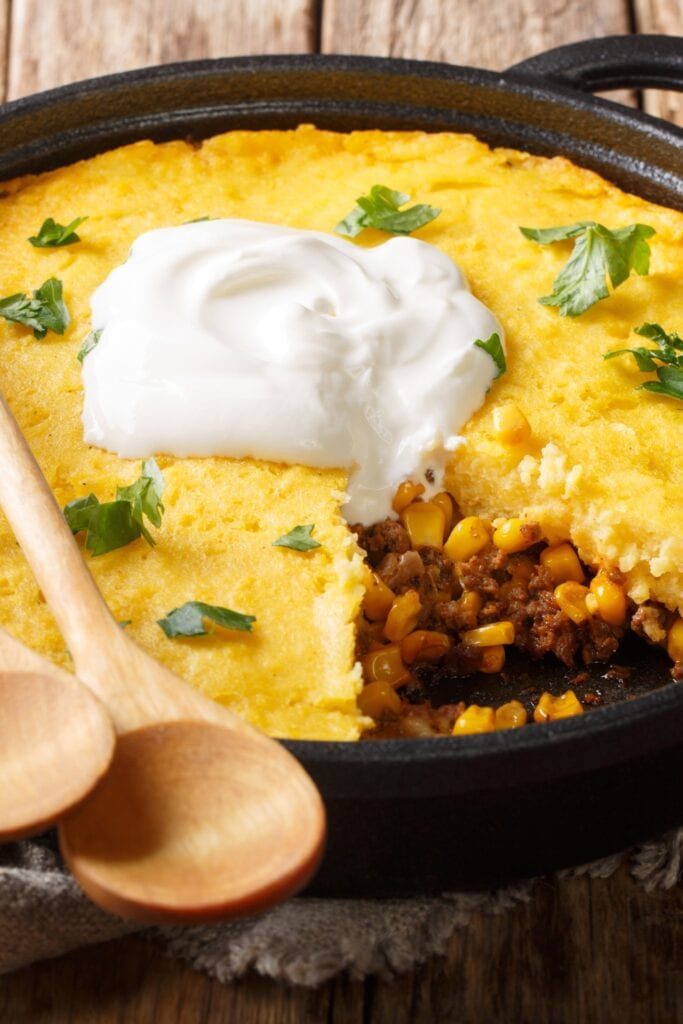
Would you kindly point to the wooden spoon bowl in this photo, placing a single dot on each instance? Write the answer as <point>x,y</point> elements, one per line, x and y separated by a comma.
<point>56,741</point>
<point>203,834</point>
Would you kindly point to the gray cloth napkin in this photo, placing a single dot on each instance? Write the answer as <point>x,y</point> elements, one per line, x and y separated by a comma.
<point>306,941</point>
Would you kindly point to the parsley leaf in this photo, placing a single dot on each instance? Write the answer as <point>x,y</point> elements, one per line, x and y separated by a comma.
<point>493,346</point>
<point>89,344</point>
<point>669,343</point>
<point>598,254</point>
<point>189,619</point>
<point>144,497</point>
<point>299,539</point>
<point>545,236</point>
<point>664,360</point>
<point>108,525</point>
<point>670,382</point>
<point>44,312</point>
<point>113,524</point>
<point>52,234</point>
<point>380,209</point>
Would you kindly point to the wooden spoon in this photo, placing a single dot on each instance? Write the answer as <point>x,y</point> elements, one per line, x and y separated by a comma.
<point>56,741</point>
<point>200,816</point>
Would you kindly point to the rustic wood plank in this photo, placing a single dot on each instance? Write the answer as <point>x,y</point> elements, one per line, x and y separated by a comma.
<point>469,32</point>
<point>472,32</point>
<point>132,981</point>
<point>4,45</point>
<point>666,17</point>
<point>581,949</point>
<point>55,43</point>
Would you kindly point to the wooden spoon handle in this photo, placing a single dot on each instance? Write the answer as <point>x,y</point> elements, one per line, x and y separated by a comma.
<point>45,538</point>
<point>136,689</point>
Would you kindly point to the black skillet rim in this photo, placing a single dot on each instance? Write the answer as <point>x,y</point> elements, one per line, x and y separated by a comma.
<point>521,81</point>
<point>605,735</point>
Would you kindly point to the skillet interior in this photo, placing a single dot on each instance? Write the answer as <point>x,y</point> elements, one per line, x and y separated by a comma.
<point>423,815</point>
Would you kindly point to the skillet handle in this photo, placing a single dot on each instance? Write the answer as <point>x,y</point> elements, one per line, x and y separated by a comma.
<point>615,62</point>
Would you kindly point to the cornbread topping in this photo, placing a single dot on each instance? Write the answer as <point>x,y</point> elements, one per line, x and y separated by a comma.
<point>232,337</point>
<point>558,529</point>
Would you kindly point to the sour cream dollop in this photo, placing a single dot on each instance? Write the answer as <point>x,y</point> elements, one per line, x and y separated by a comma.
<point>237,338</point>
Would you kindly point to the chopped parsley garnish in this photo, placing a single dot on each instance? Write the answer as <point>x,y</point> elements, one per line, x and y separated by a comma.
<point>300,539</point>
<point>493,347</point>
<point>89,344</point>
<point>144,497</point>
<point>190,619</point>
<point>52,235</point>
<point>598,254</point>
<point>108,524</point>
<point>380,209</point>
<point>113,524</point>
<point>44,311</point>
<point>666,361</point>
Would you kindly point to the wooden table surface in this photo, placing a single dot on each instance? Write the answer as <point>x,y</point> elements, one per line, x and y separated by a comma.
<point>581,950</point>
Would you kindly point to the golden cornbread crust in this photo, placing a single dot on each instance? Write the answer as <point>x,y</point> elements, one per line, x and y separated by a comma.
<point>603,466</point>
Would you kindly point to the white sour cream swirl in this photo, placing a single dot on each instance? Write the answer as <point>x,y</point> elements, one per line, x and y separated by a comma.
<point>237,338</point>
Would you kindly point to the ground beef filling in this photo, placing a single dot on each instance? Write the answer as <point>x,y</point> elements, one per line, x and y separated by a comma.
<point>491,587</point>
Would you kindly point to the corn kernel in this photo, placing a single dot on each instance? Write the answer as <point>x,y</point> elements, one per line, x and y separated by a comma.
<point>610,599</point>
<point>471,602</point>
<point>550,709</point>
<point>475,719</point>
<point>516,535</point>
<point>445,503</point>
<point>405,493</point>
<point>491,635</point>
<point>378,600</point>
<point>510,424</point>
<point>424,645</point>
<point>492,659</point>
<point>511,715</point>
<point>674,643</point>
<point>592,603</point>
<point>467,538</point>
<point>379,699</point>
<point>571,598</point>
<point>385,664</point>
<point>403,616</point>
<point>425,523</point>
<point>562,562</point>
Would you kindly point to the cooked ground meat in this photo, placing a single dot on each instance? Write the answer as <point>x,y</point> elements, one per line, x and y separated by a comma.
<point>651,621</point>
<point>600,640</point>
<point>452,617</point>
<point>401,572</point>
<point>381,538</point>
<point>419,721</point>
<point>490,587</point>
<point>545,629</point>
<point>525,598</point>
<point>366,635</point>
<point>486,572</point>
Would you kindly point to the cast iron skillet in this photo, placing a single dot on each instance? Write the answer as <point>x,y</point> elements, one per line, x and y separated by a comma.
<point>424,815</point>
